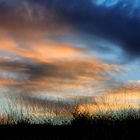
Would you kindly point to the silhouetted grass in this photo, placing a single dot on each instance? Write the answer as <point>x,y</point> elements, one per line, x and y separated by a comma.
<point>123,123</point>
<point>81,127</point>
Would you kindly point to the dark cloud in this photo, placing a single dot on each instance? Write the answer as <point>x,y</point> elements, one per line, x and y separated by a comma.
<point>55,76</point>
<point>115,23</point>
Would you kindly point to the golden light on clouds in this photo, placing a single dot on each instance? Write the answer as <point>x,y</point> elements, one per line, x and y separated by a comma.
<point>39,50</point>
<point>52,50</point>
<point>52,66</point>
<point>46,52</point>
<point>39,68</point>
<point>110,103</point>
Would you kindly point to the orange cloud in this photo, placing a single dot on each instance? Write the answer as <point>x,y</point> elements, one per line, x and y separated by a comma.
<point>39,50</point>
<point>45,52</point>
<point>51,67</point>
<point>5,82</point>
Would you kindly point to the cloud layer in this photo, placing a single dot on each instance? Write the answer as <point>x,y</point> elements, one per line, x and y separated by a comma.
<point>116,21</point>
<point>68,49</point>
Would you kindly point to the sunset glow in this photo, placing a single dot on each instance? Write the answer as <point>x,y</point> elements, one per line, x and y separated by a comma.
<point>75,51</point>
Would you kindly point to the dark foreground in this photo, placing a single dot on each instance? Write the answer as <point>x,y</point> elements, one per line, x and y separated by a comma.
<point>78,130</point>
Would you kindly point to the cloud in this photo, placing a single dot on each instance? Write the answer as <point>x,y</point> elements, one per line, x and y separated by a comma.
<point>115,21</point>
<point>59,73</point>
<point>39,66</point>
<point>45,45</point>
<point>113,24</point>
<point>125,96</point>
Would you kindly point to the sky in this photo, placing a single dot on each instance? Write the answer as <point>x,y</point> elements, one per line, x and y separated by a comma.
<point>68,49</point>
